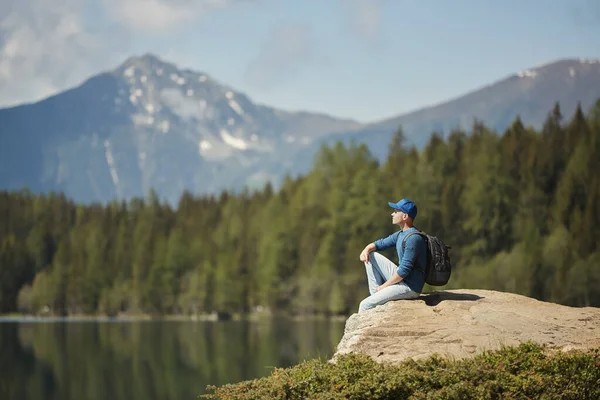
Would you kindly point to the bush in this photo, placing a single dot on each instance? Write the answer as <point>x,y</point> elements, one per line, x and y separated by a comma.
<point>526,371</point>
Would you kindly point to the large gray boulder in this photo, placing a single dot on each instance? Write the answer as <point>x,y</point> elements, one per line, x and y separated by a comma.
<point>462,323</point>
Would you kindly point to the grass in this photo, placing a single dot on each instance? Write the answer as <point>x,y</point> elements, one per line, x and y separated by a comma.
<point>529,371</point>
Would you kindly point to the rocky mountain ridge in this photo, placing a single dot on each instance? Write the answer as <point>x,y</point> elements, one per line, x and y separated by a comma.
<point>530,94</point>
<point>151,125</point>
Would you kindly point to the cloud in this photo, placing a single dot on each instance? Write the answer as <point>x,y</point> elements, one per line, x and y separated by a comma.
<point>160,15</point>
<point>365,16</point>
<point>43,45</point>
<point>46,46</point>
<point>287,48</point>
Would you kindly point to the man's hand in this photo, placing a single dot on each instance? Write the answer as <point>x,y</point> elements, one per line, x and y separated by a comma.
<point>364,256</point>
<point>395,278</point>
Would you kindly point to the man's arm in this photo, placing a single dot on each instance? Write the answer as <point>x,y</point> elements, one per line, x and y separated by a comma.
<point>392,281</point>
<point>386,243</point>
<point>364,255</point>
<point>380,244</point>
<point>415,245</point>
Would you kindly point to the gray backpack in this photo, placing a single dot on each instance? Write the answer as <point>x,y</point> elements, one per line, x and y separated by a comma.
<point>438,268</point>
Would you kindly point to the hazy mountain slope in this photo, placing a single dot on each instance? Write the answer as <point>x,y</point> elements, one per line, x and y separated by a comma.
<point>530,93</point>
<point>148,124</point>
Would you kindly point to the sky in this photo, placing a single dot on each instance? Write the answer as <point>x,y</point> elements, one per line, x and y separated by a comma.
<point>361,59</point>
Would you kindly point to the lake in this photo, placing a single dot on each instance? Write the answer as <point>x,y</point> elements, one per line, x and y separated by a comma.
<point>147,360</point>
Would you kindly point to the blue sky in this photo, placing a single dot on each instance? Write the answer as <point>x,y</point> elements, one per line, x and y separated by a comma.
<point>361,59</point>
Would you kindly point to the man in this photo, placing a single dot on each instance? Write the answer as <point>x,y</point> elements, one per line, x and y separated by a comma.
<point>388,281</point>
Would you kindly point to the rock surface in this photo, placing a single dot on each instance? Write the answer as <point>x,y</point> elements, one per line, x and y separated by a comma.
<point>462,323</point>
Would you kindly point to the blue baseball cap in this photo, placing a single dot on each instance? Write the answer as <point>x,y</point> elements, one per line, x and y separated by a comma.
<point>406,206</point>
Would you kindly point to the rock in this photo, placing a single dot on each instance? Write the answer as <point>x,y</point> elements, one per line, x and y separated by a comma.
<point>462,323</point>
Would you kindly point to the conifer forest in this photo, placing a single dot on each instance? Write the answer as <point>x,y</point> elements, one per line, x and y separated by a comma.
<point>520,208</point>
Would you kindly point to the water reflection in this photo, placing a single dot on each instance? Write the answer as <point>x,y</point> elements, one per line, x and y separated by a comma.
<point>150,359</point>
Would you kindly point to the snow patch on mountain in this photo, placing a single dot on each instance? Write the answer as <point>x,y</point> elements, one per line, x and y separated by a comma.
<point>204,145</point>
<point>141,160</point>
<point>111,165</point>
<point>180,80</point>
<point>184,107</point>
<point>234,104</point>
<point>142,119</point>
<point>527,73</point>
<point>164,126</point>
<point>129,72</point>
<point>589,61</point>
<point>213,149</point>
<point>234,142</point>
<point>236,107</point>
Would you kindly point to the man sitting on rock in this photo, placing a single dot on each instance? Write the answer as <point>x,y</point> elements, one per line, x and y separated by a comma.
<point>388,281</point>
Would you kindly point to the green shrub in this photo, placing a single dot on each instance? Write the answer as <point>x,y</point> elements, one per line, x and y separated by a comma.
<point>529,371</point>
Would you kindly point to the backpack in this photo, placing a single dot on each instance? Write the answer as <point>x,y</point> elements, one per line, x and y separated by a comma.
<point>438,268</point>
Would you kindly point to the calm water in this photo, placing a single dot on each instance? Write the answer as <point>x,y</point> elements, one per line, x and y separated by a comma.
<point>150,359</point>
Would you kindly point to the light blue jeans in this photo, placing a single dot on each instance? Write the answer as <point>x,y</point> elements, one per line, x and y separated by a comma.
<point>380,269</point>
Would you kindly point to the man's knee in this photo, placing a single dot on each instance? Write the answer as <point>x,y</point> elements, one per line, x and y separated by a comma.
<point>372,255</point>
<point>365,305</point>
<point>376,257</point>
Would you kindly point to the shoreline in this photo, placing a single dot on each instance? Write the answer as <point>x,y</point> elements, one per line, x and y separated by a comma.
<point>16,317</point>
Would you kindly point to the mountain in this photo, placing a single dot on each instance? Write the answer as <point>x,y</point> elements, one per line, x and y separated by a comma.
<point>148,124</point>
<point>531,94</point>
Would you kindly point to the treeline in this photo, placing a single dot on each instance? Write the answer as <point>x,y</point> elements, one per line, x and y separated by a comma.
<point>520,209</point>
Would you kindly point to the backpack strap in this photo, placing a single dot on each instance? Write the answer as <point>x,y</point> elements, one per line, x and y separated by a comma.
<point>406,238</point>
<point>409,235</point>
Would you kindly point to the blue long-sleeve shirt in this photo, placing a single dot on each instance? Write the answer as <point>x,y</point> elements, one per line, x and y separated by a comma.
<point>412,260</point>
